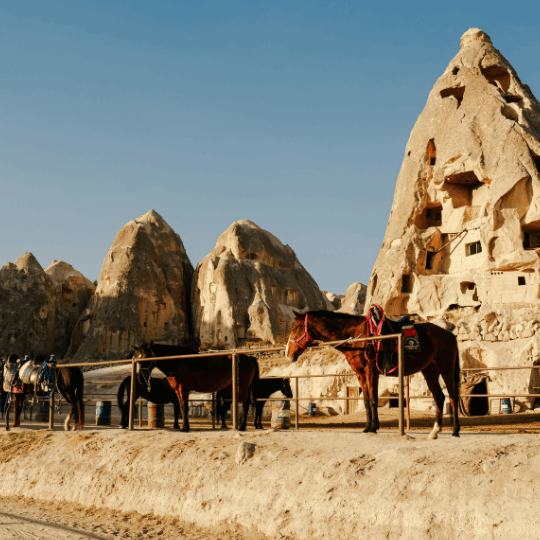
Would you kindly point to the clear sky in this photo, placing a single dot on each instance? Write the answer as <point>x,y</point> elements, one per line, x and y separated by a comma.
<point>292,114</point>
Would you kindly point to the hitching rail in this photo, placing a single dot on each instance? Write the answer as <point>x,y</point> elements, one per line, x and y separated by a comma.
<point>233,354</point>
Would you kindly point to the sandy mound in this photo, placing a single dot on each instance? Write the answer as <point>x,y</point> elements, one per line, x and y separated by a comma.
<point>305,485</point>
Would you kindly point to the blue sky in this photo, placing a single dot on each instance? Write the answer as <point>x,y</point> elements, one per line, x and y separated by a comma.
<point>294,115</point>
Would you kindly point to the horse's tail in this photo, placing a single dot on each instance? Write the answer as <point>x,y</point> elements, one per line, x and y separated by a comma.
<point>254,381</point>
<point>122,390</point>
<point>457,382</point>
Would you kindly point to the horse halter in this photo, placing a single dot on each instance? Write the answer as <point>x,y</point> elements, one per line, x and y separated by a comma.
<point>306,335</point>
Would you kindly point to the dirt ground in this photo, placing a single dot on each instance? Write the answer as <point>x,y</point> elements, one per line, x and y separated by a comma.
<point>26,518</point>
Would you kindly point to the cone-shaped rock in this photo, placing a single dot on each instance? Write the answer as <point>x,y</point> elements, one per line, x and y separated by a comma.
<point>142,294</point>
<point>39,308</point>
<point>354,300</point>
<point>465,223</point>
<point>246,289</point>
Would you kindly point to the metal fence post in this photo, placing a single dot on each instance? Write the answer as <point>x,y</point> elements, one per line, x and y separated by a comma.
<point>400,376</point>
<point>51,400</point>
<point>296,405</point>
<point>132,394</point>
<point>234,390</point>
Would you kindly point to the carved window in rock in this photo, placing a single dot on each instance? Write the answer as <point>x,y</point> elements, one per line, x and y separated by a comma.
<point>468,288</point>
<point>498,76</point>
<point>432,152</point>
<point>457,92</point>
<point>521,280</point>
<point>406,283</point>
<point>429,259</point>
<point>430,217</point>
<point>473,248</point>
<point>291,297</point>
<point>531,240</point>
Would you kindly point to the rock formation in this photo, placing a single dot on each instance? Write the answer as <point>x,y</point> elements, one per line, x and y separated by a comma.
<point>463,237</point>
<point>334,301</point>
<point>142,293</point>
<point>354,300</point>
<point>39,308</point>
<point>245,290</point>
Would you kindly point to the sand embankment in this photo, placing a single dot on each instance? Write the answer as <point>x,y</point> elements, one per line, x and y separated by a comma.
<point>306,485</point>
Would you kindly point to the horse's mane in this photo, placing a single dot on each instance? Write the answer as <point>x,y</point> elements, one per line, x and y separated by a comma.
<point>334,314</point>
<point>171,350</point>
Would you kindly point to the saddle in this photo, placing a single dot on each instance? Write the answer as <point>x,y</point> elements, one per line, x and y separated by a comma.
<point>384,325</point>
<point>34,372</point>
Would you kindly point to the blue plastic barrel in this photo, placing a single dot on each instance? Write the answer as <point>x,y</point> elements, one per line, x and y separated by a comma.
<point>103,413</point>
<point>506,406</point>
<point>156,415</point>
<point>311,409</point>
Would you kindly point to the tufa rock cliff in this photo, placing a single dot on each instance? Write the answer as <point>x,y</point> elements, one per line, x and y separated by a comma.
<point>142,293</point>
<point>39,308</point>
<point>462,243</point>
<point>464,229</point>
<point>246,289</point>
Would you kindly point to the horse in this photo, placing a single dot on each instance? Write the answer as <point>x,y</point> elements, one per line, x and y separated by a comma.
<point>261,389</point>
<point>204,374</point>
<point>439,356</point>
<point>153,389</point>
<point>70,384</point>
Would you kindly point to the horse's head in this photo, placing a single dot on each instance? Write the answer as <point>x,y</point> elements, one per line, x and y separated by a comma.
<point>139,353</point>
<point>286,389</point>
<point>300,337</point>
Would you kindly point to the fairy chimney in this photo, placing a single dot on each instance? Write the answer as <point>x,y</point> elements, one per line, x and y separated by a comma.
<point>142,293</point>
<point>39,308</point>
<point>246,289</point>
<point>464,229</point>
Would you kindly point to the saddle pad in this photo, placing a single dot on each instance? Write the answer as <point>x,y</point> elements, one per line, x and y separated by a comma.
<point>411,341</point>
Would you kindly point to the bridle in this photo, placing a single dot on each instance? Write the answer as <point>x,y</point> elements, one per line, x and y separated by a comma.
<point>308,338</point>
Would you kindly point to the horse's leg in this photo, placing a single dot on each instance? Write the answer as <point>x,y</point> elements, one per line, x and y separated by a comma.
<point>452,385</point>
<point>259,407</point>
<point>183,397</point>
<point>374,399</point>
<point>18,409</point>
<point>176,406</point>
<point>7,411</point>
<point>367,405</point>
<point>68,418</point>
<point>431,374</point>
<point>246,402</point>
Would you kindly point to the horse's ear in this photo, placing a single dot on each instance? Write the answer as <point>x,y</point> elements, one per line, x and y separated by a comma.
<point>149,345</point>
<point>298,314</point>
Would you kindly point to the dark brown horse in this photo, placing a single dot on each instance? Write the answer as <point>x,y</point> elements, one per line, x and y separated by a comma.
<point>69,382</point>
<point>261,389</point>
<point>204,374</point>
<point>439,356</point>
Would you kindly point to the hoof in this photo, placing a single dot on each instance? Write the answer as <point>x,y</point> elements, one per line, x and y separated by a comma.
<point>184,430</point>
<point>224,428</point>
<point>455,435</point>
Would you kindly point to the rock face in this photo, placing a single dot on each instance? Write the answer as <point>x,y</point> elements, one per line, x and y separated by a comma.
<point>142,294</point>
<point>465,222</point>
<point>463,237</point>
<point>39,308</point>
<point>245,290</point>
<point>354,300</point>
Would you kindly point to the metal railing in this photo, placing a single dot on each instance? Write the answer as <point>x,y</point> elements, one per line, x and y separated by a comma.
<point>233,354</point>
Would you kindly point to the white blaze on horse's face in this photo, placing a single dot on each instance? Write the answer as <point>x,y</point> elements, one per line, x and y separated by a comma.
<point>287,348</point>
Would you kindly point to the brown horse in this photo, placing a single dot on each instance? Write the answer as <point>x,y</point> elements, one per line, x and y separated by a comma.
<point>205,374</point>
<point>439,356</point>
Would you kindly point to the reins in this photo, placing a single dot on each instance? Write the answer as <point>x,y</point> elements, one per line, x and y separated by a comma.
<point>375,330</point>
